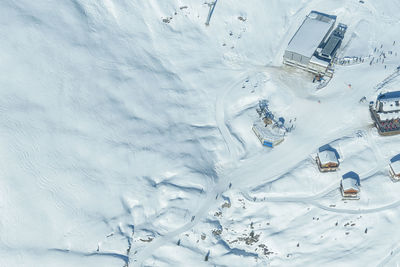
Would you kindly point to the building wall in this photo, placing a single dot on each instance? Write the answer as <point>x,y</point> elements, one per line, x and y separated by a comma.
<point>329,165</point>
<point>350,191</point>
<point>299,59</point>
<point>317,67</point>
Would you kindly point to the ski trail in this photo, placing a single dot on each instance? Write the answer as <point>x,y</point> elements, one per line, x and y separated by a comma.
<point>222,185</point>
<point>279,161</point>
<point>232,146</point>
<point>312,199</point>
<point>142,255</point>
<point>359,211</point>
<point>278,168</point>
<point>286,157</point>
<point>234,153</point>
<point>375,148</point>
<point>387,259</point>
<point>388,79</point>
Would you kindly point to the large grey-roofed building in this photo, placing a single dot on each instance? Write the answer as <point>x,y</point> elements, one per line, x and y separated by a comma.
<point>311,35</point>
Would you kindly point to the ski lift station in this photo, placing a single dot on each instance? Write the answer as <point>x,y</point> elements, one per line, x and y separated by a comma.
<point>269,130</point>
<point>268,136</point>
<point>386,113</point>
<point>315,44</point>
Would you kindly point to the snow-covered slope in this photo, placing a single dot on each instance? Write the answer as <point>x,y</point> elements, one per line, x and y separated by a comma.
<point>125,136</point>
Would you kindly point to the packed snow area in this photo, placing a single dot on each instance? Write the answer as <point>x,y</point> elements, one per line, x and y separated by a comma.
<point>125,136</point>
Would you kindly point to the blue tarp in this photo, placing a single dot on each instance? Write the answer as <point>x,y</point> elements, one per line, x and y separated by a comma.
<point>269,144</point>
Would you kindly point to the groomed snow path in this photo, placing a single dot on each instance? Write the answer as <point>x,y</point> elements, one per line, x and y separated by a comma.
<point>125,136</point>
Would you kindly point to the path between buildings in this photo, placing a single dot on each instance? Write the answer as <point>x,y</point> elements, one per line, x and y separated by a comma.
<point>285,158</point>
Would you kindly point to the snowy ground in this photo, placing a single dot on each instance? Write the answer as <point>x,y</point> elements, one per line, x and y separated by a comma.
<point>125,132</point>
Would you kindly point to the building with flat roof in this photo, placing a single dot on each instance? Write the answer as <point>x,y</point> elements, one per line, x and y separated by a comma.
<point>313,47</point>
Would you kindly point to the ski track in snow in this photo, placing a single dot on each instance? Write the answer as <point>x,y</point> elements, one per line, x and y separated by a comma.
<point>234,154</point>
<point>234,151</point>
<point>389,257</point>
<point>312,199</point>
<point>289,162</point>
<point>227,136</point>
<point>236,166</point>
<point>285,158</point>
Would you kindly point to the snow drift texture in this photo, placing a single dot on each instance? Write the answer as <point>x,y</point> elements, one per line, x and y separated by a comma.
<point>125,136</point>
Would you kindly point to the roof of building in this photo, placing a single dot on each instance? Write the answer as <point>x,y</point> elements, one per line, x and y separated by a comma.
<point>331,46</point>
<point>388,106</point>
<point>350,183</point>
<point>389,101</point>
<point>267,132</point>
<point>327,156</point>
<point>395,158</point>
<point>351,180</point>
<point>395,167</point>
<point>391,96</point>
<point>311,33</point>
<point>388,116</point>
<point>321,62</point>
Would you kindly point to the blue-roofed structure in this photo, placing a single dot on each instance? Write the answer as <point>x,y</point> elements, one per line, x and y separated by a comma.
<point>327,159</point>
<point>350,185</point>
<point>395,158</point>
<point>394,168</point>
<point>329,148</point>
<point>389,96</point>
<point>269,136</point>
<point>269,130</point>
